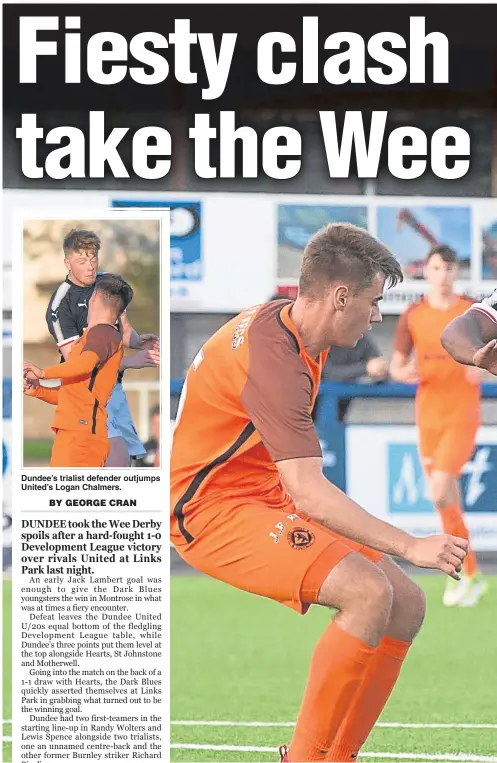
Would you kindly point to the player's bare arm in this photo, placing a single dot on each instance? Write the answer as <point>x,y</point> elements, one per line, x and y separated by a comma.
<point>320,500</point>
<point>403,364</point>
<point>471,340</point>
<point>133,340</point>
<point>141,359</point>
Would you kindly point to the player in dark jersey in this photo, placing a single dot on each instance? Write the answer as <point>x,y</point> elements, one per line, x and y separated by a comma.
<point>67,317</point>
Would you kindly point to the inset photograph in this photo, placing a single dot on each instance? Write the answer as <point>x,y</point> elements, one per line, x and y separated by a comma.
<point>91,343</point>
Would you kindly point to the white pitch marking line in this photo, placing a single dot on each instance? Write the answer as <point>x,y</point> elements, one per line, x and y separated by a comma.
<point>408,756</point>
<point>290,724</point>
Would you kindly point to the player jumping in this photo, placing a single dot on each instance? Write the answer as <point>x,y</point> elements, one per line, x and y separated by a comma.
<point>250,504</point>
<point>87,380</point>
<point>447,406</point>
<point>67,317</point>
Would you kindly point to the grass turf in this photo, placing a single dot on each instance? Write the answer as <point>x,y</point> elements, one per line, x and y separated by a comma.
<point>37,450</point>
<point>238,657</point>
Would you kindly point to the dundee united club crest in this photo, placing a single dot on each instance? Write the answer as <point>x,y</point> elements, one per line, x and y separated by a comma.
<point>300,538</point>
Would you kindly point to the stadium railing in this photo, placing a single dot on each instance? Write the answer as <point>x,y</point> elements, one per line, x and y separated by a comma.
<point>331,430</point>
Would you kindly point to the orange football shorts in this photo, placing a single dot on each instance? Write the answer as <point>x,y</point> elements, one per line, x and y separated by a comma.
<point>266,550</point>
<point>78,449</point>
<point>447,449</point>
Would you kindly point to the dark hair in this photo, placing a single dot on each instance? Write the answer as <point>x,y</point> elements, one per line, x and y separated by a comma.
<point>155,411</point>
<point>447,254</point>
<point>115,292</point>
<point>341,251</point>
<point>76,240</point>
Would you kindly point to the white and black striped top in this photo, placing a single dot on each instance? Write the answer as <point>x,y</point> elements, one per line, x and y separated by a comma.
<point>67,312</point>
<point>487,306</point>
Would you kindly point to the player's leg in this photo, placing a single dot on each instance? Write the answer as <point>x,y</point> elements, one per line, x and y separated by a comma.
<point>124,441</point>
<point>443,491</point>
<point>282,556</point>
<point>118,450</point>
<point>444,495</point>
<point>407,614</point>
<point>454,449</point>
<point>475,583</point>
<point>363,596</point>
<point>118,453</point>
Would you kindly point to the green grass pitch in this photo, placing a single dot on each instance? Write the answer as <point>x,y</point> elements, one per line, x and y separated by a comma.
<point>237,657</point>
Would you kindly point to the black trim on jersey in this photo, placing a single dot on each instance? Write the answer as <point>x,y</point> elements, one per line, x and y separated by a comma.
<point>94,417</point>
<point>202,474</point>
<point>289,332</point>
<point>312,383</point>
<point>93,377</point>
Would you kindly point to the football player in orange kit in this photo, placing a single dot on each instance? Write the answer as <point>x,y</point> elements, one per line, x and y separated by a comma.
<point>447,406</point>
<point>250,504</point>
<point>87,380</point>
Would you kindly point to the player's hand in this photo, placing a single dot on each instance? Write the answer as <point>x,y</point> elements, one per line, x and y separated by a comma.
<point>486,357</point>
<point>377,368</point>
<point>29,386</point>
<point>410,373</point>
<point>142,359</point>
<point>439,552</point>
<point>148,341</point>
<point>32,372</point>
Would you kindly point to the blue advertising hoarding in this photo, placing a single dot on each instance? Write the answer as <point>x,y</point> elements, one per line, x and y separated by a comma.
<point>407,490</point>
<point>187,265</point>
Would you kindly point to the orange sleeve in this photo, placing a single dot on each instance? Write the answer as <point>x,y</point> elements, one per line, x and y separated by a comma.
<point>402,340</point>
<point>73,367</point>
<point>48,394</point>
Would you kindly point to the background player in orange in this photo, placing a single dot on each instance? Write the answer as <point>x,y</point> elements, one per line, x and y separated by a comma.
<point>250,504</point>
<point>447,405</point>
<point>87,379</point>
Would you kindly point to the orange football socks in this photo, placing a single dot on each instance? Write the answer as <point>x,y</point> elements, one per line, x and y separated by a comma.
<point>379,680</point>
<point>338,666</point>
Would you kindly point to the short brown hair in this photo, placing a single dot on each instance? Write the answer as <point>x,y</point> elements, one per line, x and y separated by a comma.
<point>115,292</point>
<point>76,240</point>
<point>341,251</point>
<point>447,254</point>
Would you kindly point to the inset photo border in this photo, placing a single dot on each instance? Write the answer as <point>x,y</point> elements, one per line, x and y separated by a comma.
<point>71,274</point>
